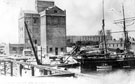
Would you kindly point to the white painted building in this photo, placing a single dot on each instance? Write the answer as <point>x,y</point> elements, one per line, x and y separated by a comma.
<point>114,44</point>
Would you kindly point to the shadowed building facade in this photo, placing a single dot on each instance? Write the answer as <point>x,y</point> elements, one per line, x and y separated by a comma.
<point>33,21</point>
<point>53,30</point>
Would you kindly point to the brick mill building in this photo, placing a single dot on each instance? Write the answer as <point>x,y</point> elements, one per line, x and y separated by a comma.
<point>53,30</point>
<point>33,21</point>
<point>47,26</point>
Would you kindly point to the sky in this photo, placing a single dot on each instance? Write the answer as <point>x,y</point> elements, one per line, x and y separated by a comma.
<point>84,17</point>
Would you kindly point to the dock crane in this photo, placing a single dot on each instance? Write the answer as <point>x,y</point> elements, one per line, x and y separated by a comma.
<point>32,45</point>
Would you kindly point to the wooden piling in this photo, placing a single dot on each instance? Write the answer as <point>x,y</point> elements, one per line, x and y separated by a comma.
<point>32,71</point>
<point>41,54</point>
<point>5,67</point>
<point>20,69</point>
<point>11,68</point>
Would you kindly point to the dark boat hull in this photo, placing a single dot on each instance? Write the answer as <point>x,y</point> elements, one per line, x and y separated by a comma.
<point>91,64</point>
<point>74,65</point>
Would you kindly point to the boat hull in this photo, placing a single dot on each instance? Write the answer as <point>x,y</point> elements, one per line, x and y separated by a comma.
<point>91,64</point>
<point>74,65</point>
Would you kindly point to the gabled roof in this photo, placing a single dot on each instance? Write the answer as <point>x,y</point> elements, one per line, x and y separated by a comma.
<point>29,12</point>
<point>49,8</point>
<point>54,10</point>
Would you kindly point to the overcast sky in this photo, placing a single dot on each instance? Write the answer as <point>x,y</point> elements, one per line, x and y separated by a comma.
<point>84,17</point>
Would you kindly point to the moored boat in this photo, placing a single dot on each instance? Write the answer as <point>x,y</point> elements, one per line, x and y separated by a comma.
<point>124,60</point>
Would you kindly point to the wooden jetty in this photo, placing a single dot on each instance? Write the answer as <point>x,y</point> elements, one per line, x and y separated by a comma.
<point>45,70</point>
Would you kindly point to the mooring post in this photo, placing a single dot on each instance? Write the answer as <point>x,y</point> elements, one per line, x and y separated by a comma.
<point>32,71</point>
<point>5,67</point>
<point>11,67</point>
<point>20,69</point>
<point>41,54</point>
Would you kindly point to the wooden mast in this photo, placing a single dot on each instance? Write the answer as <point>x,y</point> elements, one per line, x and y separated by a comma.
<point>103,28</point>
<point>125,32</point>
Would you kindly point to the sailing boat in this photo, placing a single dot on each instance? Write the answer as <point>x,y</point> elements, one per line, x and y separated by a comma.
<point>99,60</point>
<point>105,60</point>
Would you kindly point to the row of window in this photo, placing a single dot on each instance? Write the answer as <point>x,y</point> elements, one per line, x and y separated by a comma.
<point>34,20</point>
<point>56,49</point>
<point>84,39</point>
<point>17,48</point>
<point>115,45</point>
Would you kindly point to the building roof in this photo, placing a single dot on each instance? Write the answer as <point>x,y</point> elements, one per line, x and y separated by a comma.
<point>53,10</point>
<point>46,0</point>
<point>23,12</point>
<point>30,11</point>
<point>50,7</point>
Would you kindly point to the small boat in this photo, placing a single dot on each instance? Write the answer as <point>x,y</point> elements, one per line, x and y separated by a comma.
<point>104,67</point>
<point>126,67</point>
<point>72,65</point>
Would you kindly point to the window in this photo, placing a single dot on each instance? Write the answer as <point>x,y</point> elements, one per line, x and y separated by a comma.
<point>62,49</point>
<point>121,44</point>
<point>14,48</point>
<point>56,51</point>
<point>55,11</point>
<point>51,49</point>
<point>117,45</point>
<point>35,41</point>
<point>35,20</point>
<point>21,48</point>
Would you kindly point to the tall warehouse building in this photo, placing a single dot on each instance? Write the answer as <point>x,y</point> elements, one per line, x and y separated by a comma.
<point>47,26</point>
